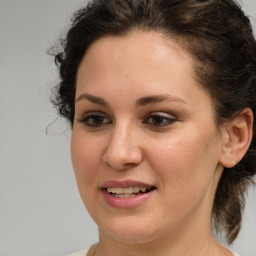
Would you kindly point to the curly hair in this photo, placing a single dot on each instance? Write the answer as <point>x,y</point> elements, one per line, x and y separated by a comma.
<point>219,37</point>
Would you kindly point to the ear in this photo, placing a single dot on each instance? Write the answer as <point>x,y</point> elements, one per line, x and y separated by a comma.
<point>236,138</point>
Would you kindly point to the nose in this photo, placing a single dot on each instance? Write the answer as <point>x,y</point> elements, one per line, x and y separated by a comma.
<point>123,149</point>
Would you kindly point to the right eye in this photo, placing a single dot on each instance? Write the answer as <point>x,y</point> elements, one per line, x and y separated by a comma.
<point>94,120</point>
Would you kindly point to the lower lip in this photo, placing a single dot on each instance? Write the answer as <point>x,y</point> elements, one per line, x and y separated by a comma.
<point>130,202</point>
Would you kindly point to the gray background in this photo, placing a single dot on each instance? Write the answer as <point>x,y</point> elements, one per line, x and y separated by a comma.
<point>40,209</point>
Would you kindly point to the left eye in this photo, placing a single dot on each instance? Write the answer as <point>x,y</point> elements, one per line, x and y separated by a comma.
<point>95,120</point>
<point>159,120</point>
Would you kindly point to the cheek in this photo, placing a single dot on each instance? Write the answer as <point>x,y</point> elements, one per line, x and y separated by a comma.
<point>86,157</point>
<point>185,168</point>
<point>185,160</point>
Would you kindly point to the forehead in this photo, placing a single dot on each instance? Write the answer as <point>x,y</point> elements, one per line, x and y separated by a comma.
<point>139,42</point>
<point>139,55</point>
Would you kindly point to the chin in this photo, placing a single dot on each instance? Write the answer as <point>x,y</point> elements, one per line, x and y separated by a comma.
<point>129,231</point>
<point>129,236</point>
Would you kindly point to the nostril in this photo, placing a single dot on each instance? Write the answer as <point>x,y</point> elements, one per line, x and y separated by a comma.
<point>121,166</point>
<point>129,165</point>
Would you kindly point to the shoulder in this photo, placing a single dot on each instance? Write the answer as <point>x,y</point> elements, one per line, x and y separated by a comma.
<point>235,254</point>
<point>82,252</point>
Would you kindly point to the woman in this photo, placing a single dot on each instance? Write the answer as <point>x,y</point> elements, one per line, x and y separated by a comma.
<point>160,96</point>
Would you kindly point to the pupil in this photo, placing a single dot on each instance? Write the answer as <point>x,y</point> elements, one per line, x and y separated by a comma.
<point>157,119</point>
<point>98,119</point>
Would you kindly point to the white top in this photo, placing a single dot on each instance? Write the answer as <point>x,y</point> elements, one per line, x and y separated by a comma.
<point>85,251</point>
<point>82,252</point>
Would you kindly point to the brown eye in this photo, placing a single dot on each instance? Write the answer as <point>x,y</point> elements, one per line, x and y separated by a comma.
<point>95,120</point>
<point>160,120</point>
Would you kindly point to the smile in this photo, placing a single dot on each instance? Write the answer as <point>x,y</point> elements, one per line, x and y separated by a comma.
<point>128,192</point>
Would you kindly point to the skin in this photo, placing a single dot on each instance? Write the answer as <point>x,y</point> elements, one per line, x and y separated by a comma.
<point>181,154</point>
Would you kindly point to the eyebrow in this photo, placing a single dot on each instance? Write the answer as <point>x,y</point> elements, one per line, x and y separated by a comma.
<point>139,103</point>
<point>93,99</point>
<point>158,98</point>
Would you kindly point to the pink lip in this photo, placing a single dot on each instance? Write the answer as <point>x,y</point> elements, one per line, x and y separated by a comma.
<point>126,203</point>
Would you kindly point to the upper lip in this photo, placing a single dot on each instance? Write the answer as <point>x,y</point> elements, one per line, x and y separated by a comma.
<point>125,184</point>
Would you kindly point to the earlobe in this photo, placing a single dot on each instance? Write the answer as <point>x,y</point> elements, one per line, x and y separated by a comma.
<point>236,138</point>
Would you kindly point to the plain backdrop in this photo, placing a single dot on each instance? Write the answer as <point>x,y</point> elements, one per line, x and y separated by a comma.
<point>41,213</point>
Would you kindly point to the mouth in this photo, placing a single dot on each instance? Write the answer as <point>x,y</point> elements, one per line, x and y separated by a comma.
<point>129,191</point>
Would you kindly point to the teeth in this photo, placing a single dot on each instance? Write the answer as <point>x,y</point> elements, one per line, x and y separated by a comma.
<point>136,189</point>
<point>143,189</point>
<point>126,191</point>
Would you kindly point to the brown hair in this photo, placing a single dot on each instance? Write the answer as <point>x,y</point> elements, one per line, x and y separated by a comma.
<point>219,37</point>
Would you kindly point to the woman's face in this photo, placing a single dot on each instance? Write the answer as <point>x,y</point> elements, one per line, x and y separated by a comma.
<point>143,123</point>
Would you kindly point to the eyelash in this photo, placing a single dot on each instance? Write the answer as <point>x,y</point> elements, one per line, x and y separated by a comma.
<point>90,118</point>
<point>160,120</point>
<point>157,120</point>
